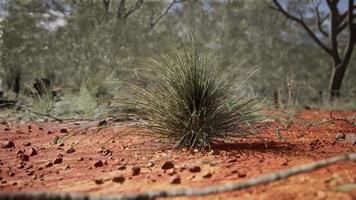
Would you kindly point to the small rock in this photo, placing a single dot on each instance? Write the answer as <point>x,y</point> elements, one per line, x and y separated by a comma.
<point>123,167</point>
<point>23,157</point>
<point>98,163</point>
<point>19,152</point>
<point>30,173</point>
<point>136,170</point>
<point>58,160</point>
<point>150,164</point>
<point>171,172</point>
<point>61,144</point>
<point>207,175</point>
<point>8,144</point>
<point>64,130</point>
<point>167,165</point>
<point>340,136</point>
<point>50,132</point>
<point>175,179</point>
<point>242,174</point>
<point>194,169</point>
<point>21,166</point>
<point>70,150</point>
<point>11,174</point>
<point>99,181</point>
<point>107,152</point>
<point>80,159</point>
<point>32,152</point>
<point>66,167</point>
<point>118,179</point>
<point>26,144</point>
<point>48,164</point>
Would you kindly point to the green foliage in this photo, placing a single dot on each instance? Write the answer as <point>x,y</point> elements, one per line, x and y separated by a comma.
<point>43,102</point>
<point>194,103</point>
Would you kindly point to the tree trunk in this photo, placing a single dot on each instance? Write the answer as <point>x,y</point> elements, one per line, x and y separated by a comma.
<point>337,77</point>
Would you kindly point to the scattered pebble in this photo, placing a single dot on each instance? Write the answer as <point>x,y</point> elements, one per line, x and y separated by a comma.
<point>99,181</point>
<point>150,164</point>
<point>194,169</point>
<point>8,144</point>
<point>70,150</point>
<point>118,179</point>
<point>207,175</point>
<point>123,167</point>
<point>26,144</point>
<point>11,174</point>
<point>32,151</point>
<point>175,179</point>
<point>98,163</point>
<point>58,160</point>
<point>136,170</point>
<point>167,165</point>
<point>64,130</point>
<point>23,157</point>
<point>340,136</point>
<point>242,174</point>
<point>48,164</point>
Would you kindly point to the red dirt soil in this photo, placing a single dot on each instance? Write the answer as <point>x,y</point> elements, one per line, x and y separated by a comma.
<point>234,160</point>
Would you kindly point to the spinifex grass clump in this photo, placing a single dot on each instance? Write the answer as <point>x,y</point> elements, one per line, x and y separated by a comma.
<point>194,103</point>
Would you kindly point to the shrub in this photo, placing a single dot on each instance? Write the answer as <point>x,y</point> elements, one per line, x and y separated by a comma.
<point>42,100</point>
<point>195,102</point>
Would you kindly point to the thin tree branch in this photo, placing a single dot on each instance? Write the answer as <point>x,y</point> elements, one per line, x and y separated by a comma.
<point>320,21</point>
<point>303,24</point>
<point>268,178</point>
<point>155,21</point>
<point>137,5</point>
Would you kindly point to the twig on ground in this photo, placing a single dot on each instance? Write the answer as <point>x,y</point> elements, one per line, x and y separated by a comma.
<point>187,192</point>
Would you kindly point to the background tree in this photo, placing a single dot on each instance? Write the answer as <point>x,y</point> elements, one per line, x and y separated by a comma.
<point>339,22</point>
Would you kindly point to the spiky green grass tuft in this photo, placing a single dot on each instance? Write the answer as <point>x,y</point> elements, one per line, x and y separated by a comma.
<point>194,104</point>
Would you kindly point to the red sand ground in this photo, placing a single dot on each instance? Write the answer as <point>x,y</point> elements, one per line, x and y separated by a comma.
<point>232,161</point>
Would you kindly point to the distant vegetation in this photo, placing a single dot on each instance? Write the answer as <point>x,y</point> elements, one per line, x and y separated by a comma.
<point>87,49</point>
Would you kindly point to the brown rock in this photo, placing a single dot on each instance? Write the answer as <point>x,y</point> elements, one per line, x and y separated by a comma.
<point>70,150</point>
<point>136,170</point>
<point>99,181</point>
<point>32,151</point>
<point>11,174</point>
<point>64,130</point>
<point>48,164</point>
<point>80,159</point>
<point>171,172</point>
<point>8,144</point>
<point>123,167</point>
<point>194,169</point>
<point>207,175</point>
<point>58,160</point>
<point>242,174</point>
<point>98,163</point>
<point>175,179</point>
<point>66,167</point>
<point>23,157</point>
<point>150,164</point>
<point>26,144</point>
<point>118,179</point>
<point>167,165</point>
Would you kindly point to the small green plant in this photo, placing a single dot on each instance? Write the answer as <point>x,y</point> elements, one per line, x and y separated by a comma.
<point>85,102</point>
<point>194,103</point>
<point>42,101</point>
